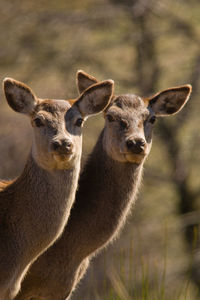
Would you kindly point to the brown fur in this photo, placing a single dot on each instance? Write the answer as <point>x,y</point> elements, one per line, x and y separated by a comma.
<point>35,206</point>
<point>107,190</point>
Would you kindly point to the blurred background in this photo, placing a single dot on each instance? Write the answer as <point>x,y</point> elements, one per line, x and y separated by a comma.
<point>144,46</point>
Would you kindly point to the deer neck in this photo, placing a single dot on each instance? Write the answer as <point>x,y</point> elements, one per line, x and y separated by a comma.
<point>107,189</point>
<point>119,182</point>
<point>47,197</point>
<point>47,182</point>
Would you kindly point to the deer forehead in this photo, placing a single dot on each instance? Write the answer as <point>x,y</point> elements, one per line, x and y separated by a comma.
<point>128,107</point>
<point>128,101</point>
<point>51,108</point>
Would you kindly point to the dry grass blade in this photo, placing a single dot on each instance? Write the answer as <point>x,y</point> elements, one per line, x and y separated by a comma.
<point>118,285</point>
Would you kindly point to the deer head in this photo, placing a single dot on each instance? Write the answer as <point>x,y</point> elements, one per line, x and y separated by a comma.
<point>130,119</point>
<point>57,124</point>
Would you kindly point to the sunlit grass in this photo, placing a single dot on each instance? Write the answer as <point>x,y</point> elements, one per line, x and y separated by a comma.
<point>152,280</point>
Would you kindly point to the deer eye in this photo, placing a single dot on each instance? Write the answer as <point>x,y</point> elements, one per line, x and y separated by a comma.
<point>38,122</point>
<point>123,124</point>
<point>110,118</point>
<point>79,122</point>
<point>152,119</point>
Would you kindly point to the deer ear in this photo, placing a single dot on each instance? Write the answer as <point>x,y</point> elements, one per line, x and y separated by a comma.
<point>19,96</point>
<point>170,101</point>
<point>96,98</point>
<point>84,80</point>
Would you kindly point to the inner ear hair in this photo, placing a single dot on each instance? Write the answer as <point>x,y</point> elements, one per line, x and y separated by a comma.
<point>84,80</point>
<point>169,101</point>
<point>95,98</point>
<point>19,96</point>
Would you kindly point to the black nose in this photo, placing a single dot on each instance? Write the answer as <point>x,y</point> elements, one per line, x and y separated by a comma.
<point>62,146</point>
<point>136,145</point>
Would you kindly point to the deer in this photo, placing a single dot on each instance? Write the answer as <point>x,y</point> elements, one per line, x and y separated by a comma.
<point>107,189</point>
<point>35,206</point>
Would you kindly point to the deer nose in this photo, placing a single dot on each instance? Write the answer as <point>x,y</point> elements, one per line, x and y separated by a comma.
<point>63,146</point>
<point>136,145</point>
